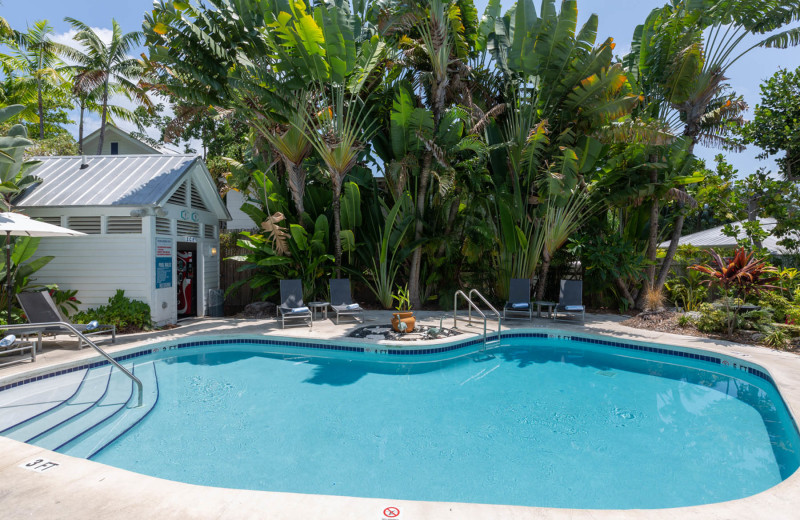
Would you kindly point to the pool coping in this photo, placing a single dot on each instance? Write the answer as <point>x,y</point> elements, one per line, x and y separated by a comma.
<point>81,487</point>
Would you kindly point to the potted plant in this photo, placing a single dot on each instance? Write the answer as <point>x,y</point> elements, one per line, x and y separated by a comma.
<point>403,320</point>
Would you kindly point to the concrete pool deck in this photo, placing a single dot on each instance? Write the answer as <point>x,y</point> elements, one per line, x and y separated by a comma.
<point>78,488</point>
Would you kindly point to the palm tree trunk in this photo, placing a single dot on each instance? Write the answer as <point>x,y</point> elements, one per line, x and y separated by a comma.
<point>416,257</point>
<point>41,108</point>
<point>103,118</point>
<point>337,242</point>
<point>652,244</point>
<point>540,286</point>
<point>296,176</point>
<point>80,129</point>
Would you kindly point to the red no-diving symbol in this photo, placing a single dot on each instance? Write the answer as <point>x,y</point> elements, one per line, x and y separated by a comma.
<point>391,512</point>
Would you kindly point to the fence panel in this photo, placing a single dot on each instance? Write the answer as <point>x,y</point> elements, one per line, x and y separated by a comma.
<point>229,274</point>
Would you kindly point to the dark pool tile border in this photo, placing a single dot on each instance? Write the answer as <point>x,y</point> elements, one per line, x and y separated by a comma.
<point>395,351</point>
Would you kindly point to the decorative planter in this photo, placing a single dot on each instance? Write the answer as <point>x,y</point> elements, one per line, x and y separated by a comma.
<point>404,317</point>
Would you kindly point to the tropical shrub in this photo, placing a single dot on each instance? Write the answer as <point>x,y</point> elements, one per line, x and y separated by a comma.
<point>738,277</point>
<point>777,303</point>
<point>687,291</point>
<point>776,339</point>
<point>712,319</point>
<point>65,300</point>
<point>128,315</point>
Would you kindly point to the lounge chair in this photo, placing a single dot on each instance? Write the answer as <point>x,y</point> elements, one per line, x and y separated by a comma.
<point>342,302</point>
<point>570,299</point>
<point>39,307</point>
<point>292,306</point>
<point>9,346</point>
<point>518,305</point>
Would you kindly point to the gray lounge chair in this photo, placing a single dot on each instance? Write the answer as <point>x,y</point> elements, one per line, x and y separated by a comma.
<point>39,307</point>
<point>292,306</point>
<point>570,299</point>
<point>518,305</point>
<point>342,302</point>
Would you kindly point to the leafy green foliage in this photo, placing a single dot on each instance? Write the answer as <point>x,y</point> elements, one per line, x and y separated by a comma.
<point>128,315</point>
<point>776,121</point>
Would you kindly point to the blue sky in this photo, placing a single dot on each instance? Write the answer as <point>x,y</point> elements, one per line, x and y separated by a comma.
<point>617,19</point>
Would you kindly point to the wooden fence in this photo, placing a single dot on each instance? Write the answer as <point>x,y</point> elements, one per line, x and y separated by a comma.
<point>229,274</point>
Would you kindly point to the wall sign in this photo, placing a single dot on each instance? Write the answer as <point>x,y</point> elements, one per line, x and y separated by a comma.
<point>163,263</point>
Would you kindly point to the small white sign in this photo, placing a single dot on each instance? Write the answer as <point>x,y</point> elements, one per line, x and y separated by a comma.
<point>39,465</point>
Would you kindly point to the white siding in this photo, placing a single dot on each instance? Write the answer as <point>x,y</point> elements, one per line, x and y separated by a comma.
<point>96,266</point>
<point>239,219</point>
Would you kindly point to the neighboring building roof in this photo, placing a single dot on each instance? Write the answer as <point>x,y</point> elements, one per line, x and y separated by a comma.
<point>714,238</point>
<point>115,134</point>
<point>109,180</point>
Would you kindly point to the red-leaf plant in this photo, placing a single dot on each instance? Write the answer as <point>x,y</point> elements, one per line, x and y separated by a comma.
<point>742,275</point>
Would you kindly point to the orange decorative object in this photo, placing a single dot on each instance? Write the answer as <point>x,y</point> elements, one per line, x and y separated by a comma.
<point>404,317</point>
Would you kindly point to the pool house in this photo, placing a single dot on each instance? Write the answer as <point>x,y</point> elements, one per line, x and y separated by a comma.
<point>151,225</point>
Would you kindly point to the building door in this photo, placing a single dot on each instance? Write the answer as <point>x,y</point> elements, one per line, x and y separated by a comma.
<point>187,267</point>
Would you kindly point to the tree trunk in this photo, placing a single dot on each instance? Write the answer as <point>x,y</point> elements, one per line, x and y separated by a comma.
<point>80,129</point>
<point>296,176</point>
<point>652,243</point>
<point>416,257</point>
<point>624,289</point>
<point>103,119</point>
<point>540,286</point>
<point>752,216</point>
<point>337,246</point>
<point>41,108</point>
<point>673,247</point>
<point>451,218</point>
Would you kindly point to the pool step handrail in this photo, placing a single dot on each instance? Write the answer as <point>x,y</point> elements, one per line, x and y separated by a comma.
<point>472,306</point>
<point>71,328</point>
<point>475,292</point>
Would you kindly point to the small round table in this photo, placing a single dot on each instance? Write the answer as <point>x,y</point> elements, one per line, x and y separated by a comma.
<point>319,306</point>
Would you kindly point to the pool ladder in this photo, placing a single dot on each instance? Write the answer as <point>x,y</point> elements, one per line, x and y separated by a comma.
<point>471,305</point>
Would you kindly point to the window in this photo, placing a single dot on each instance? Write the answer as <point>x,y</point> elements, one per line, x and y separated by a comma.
<point>190,229</point>
<point>197,200</point>
<point>163,226</point>
<point>124,225</point>
<point>56,221</point>
<point>88,225</point>
<point>114,148</point>
<point>179,197</point>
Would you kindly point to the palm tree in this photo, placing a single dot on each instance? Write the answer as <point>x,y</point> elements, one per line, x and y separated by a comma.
<point>36,58</point>
<point>107,67</point>
<point>680,57</point>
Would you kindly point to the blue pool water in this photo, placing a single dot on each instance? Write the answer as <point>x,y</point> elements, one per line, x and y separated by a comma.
<point>536,423</point>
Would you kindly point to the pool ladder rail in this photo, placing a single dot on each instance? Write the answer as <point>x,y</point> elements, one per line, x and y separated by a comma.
<point>71,328</point>
<point>471,305</point>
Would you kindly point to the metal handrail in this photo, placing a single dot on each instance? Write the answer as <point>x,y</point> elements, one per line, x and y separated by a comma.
<point>470,305</point>
<point>34,326</point>
<point>491,307</point>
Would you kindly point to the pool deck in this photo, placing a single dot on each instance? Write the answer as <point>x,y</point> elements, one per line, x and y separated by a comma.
<point>79,488</point>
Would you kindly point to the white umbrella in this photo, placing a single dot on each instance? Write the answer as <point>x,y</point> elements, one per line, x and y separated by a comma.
<point>18,224</point>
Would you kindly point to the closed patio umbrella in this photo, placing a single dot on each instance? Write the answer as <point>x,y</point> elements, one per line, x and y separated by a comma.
<point>18,224</point>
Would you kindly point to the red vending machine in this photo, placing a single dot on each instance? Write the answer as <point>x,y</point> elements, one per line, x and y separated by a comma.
<point>185,283</point>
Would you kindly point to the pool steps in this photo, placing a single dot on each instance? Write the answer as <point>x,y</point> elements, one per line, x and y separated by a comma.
<point>102,434</point>
<point>87,416</point>
<point>91,390</point>
<point>22,404</point>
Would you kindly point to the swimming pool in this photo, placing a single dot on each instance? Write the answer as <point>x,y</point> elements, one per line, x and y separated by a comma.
<point>542,421</point>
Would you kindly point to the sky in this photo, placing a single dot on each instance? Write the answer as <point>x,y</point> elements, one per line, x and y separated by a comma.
<point>617,19</point>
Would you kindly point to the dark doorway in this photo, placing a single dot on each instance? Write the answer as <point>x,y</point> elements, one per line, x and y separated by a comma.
<point>187,279</point>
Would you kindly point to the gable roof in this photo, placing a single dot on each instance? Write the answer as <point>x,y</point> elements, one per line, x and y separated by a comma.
<point>715,238</point>
<point>111,180</point>
<point>114,133</point>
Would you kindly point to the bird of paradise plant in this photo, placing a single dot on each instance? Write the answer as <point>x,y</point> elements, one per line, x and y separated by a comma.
<point>738,276</point>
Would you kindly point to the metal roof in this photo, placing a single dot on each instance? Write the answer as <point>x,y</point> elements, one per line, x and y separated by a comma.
<point>109,180</point>
<point>714,238</point>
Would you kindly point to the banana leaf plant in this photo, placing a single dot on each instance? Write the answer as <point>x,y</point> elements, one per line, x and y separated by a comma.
<point>739,276</point>
<point>21,270</point>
